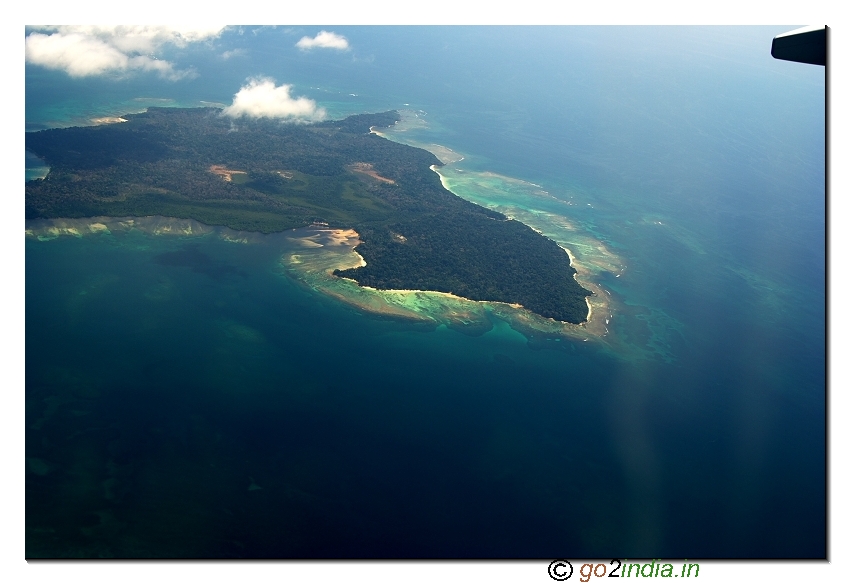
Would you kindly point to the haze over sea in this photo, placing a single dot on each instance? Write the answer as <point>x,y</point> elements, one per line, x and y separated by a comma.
<point>188,397</point>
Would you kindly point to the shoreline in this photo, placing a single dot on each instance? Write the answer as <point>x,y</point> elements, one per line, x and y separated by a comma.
<point>598,308</point>
<point>600,304</point>
<point>386,302</point>
<point>331,249</point>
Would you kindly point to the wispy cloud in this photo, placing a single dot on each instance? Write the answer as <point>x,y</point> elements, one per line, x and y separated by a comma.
<point>83,51</point>
<point>262,98</point>
<point>234,53</point>
<point>323,40</point>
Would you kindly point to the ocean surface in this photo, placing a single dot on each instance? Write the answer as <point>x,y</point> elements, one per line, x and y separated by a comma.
<point>192,395</point>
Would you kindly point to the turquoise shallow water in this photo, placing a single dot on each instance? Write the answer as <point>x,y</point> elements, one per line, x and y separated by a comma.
<point>193,397</point>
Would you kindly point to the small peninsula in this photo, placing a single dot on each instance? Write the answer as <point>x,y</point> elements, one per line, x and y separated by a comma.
<point>267,176</point>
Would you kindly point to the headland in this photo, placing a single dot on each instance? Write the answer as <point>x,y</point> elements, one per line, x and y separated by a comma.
<point>413,233</point>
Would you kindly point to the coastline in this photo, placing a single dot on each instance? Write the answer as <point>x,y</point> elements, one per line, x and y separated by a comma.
<point>432,306</point>
<point>599,305</point>
<point>311,254</point>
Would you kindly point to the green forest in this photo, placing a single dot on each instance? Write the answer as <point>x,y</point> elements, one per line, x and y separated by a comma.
<point>415,234</point>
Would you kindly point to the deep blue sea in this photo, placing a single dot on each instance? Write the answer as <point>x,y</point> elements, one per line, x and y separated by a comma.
<point>219,406</point>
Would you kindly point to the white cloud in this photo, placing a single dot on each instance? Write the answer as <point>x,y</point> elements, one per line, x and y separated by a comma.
<point>234,53</point>
<point>97,50</point>
<point>324,40</point>
<point>261,98</point>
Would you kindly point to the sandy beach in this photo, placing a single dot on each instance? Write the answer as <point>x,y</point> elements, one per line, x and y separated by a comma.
<point>435,306</point>
<point>324,249</point>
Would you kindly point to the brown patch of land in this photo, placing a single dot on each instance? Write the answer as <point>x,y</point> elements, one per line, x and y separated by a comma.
<point>224,172</point>
<point>366,169</point>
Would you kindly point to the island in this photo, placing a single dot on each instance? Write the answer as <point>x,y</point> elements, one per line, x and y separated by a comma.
<point>268,176</point>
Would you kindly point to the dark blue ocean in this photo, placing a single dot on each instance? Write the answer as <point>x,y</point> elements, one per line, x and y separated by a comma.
<point>220,407</point>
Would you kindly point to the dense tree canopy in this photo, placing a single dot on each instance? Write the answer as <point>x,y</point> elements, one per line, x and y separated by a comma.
<point>415,233</point>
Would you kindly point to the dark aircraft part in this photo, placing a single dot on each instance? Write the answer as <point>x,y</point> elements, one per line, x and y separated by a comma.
<point>803,45</point>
